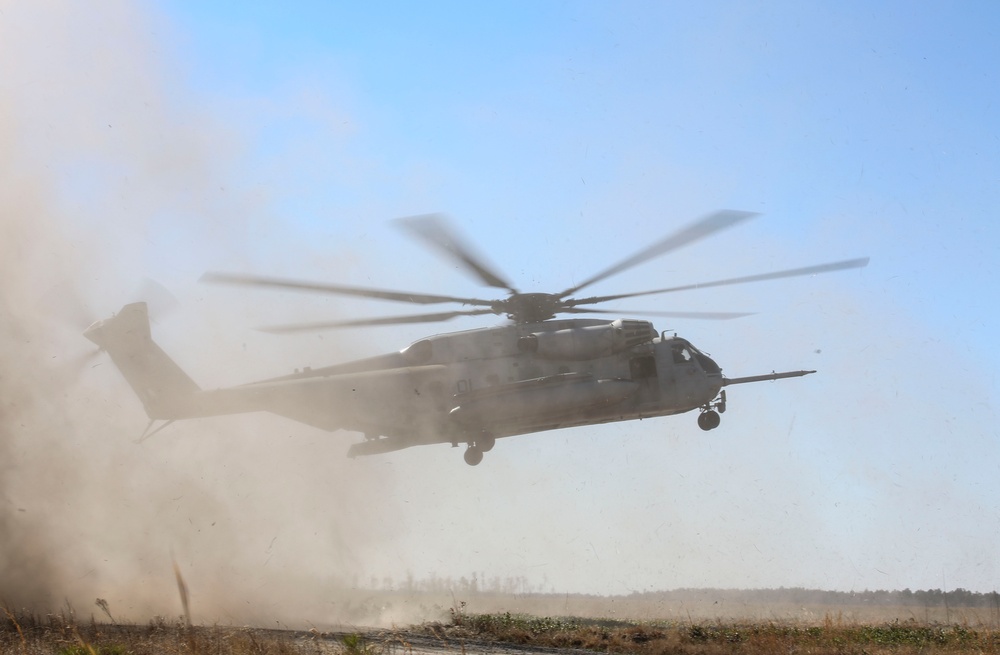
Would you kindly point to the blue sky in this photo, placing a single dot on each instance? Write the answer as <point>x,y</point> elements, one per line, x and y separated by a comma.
<point>562,137</point>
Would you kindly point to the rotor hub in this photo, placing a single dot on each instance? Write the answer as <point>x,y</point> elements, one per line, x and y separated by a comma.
<point>530,307</point>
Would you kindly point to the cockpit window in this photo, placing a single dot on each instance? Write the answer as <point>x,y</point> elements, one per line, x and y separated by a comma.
<point>682,355</point>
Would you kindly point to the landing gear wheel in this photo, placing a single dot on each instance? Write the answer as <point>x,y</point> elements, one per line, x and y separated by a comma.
<point>709,420</point>
<point>473,455</point>
<point>485,442</point>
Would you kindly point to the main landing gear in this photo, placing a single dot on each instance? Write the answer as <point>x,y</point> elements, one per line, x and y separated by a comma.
<point>709,419</point>
<point>483,444</point>
<point>473,455</point>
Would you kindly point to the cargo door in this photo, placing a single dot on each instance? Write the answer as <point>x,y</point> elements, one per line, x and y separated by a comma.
<point>666,373</point>
<point>643,371</point>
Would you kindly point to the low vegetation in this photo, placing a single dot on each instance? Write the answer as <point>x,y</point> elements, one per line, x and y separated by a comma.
<point>662,638</point>
<point>62,634</point>
<point>465,632</point>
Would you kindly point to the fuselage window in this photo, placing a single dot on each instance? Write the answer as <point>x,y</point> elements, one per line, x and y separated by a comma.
<point>681,355</point>
<point>642,368</point>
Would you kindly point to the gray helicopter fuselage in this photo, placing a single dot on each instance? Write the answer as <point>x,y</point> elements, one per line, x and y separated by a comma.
<point>500,381</point>
<point>463,387</point>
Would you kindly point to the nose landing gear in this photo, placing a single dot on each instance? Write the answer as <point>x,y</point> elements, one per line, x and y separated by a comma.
<point>709,418</point>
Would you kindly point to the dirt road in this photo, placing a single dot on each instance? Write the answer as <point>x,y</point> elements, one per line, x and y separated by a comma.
<point>409,642</point>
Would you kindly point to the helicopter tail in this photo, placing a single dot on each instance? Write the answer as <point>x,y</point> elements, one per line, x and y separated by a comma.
<point>165,390</point>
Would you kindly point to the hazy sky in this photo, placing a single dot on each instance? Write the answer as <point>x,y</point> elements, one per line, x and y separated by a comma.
<point>179,137</point>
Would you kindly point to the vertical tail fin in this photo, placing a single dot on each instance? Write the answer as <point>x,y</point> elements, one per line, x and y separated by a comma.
<point>165,390</point>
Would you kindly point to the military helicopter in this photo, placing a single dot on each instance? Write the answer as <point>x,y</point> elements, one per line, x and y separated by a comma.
<point>535,373</point>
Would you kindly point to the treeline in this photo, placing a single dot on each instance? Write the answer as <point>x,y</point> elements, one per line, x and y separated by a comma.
<point>802,596</point>
<point>472,584</point>
<point>479,583</point>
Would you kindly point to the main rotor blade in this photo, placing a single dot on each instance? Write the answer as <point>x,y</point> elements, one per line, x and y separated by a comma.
<point>433,229</point>
<point>298,285</point>
<point>365,322</point>
<point>861,262</point>
<point>700,229</point>
<point>712,316</point>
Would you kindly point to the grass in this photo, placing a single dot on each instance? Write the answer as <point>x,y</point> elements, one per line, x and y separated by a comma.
<point>708,638</point>
<point>62,634</point>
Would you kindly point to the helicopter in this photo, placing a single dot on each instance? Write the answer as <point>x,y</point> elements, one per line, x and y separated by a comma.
<point>539,371</point>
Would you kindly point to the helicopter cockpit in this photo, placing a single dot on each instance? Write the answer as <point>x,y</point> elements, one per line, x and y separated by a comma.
<point>683,353</point>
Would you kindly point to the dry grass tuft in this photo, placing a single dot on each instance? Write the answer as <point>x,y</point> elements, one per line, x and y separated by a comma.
<point>61,634</point>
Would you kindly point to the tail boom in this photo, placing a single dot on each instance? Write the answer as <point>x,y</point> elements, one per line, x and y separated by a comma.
<point>165,390</point>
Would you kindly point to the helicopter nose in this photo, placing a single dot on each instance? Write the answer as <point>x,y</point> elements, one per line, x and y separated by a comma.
<point>711,368</point>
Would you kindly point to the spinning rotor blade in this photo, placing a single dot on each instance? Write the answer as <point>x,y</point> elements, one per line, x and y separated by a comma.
<point>700,229</point>
<point>277,283</point>
<point>712,316</point>
<point>364,322</point>
<point>433,229</point>
<point>777,275</point>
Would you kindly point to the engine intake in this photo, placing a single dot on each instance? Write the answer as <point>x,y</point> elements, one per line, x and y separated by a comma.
<point>589,342</point>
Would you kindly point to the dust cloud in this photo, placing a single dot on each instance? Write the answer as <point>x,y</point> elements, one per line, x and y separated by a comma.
<point>104,167</point>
